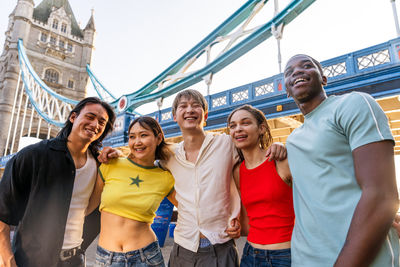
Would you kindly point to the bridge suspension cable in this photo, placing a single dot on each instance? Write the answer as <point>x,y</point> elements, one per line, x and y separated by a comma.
<point>233,38</point>
<point>236,39</point>
<point>101,90</point>
<point>34,99</point>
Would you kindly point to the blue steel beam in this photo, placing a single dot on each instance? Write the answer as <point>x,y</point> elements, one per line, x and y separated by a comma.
<point>24,61</point>
<point>95,81</point>
<point>144,95</point>
<point>374,70</point>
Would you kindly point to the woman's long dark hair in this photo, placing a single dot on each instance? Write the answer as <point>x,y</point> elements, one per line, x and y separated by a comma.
<point>95,146</point>
<point>163,151</point>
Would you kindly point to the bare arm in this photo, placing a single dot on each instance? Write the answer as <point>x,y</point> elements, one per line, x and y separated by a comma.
<point>94,200</point>
<point>282,167</point>
<point>172,199</point>
<point>243,219</point>
<point>6,255</point>
<point>374,214</point>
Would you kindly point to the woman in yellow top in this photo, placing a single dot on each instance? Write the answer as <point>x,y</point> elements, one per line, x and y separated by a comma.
<point>131,190</point>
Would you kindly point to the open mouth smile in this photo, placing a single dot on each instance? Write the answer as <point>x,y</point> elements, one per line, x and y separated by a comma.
<point>240,137</point>
<point>299,80</point>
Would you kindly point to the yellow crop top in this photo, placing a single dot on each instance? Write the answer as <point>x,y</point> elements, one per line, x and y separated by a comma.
<point>133,191</point>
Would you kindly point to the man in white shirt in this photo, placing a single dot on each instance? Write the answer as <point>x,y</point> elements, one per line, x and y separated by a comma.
<point>208,201</point>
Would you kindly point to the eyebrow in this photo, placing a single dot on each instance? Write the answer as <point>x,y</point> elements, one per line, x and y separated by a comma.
<point>145,131</point>
<point>94,114</point>
<point>301,62</point>
<point>245,118</point>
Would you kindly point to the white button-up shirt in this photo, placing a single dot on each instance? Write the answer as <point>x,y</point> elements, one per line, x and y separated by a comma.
<point>206,193</point>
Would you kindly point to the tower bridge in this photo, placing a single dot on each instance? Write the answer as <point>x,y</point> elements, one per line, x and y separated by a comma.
<point>374,70</point>
<point>45,67</point>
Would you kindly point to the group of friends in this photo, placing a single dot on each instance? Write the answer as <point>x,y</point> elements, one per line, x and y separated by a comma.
<point>334,206</point>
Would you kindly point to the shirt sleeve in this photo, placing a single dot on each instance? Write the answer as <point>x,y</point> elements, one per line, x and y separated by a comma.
<point>103,169</point>
<point>14,188</point>
<point>171,182</point>
<point>362,120</point>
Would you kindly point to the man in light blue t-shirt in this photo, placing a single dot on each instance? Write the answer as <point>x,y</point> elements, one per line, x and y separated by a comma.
<point>344,187</point>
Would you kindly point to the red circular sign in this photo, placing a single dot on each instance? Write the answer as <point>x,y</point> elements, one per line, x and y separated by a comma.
<point>122,103</point>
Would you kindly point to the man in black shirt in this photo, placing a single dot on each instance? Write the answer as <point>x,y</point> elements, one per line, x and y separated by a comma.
<point>37,192</point>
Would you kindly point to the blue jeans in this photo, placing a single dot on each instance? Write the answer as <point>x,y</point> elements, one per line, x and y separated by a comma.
<point>253,257</point>
<point>147,256</point>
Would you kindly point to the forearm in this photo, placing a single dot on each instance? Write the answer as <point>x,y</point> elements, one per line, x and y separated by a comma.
<point>171,197</point>
<point>370,224</point>
<point>6,254</point>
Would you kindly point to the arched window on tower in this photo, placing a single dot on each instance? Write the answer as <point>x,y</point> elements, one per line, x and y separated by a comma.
<point>55,24</point>
<point>51,75</point>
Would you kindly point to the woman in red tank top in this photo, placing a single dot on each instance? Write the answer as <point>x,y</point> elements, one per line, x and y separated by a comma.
<point>267,216</point>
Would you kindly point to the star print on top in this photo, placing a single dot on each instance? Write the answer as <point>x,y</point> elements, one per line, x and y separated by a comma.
<point>136,181</point>
<point>133,191</point>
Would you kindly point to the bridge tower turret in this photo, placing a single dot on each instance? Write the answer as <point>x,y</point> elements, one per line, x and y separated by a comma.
<point>57,48</point>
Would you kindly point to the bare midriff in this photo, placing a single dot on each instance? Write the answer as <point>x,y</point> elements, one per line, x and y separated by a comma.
<point>276,246</point>
<point>119,234</point>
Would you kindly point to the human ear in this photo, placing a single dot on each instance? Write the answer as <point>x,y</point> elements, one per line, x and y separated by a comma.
<point>159,139</point>
<point>72,117</point>
<point>324,80</point>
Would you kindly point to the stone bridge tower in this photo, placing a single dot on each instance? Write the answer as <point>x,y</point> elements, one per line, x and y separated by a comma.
<point>58,50</point>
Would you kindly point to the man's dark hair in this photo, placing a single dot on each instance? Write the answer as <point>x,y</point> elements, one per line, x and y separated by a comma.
<point>95,145</point>
<point>190,94</point>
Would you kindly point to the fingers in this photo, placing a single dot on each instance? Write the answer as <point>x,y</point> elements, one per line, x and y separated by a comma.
<point>234,230</point>
<point>277,151</point>
<point>108,153</point>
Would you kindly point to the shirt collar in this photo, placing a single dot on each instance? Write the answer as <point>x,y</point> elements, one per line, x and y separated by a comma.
<point>58,143</point>
<point>180,150</point>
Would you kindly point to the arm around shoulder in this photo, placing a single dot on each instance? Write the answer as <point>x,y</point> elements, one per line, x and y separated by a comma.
<point>94,200</point>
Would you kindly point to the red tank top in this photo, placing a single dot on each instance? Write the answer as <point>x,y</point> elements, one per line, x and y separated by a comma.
<point>269,204</point>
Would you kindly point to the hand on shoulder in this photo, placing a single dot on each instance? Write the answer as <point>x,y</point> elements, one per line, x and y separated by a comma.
<point>109,153</point>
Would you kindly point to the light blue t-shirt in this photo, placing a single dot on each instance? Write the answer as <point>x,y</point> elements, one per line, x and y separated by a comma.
<point>325,190</point>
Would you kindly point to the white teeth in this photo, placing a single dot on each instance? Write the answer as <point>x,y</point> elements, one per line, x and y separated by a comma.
<point>91,131</point>
<point>299,80</point>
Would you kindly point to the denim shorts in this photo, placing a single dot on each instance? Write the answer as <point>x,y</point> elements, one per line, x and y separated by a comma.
<point>148,256</point>
<point>265,258</point>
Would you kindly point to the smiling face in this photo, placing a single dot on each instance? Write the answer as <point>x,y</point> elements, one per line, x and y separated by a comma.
<point>189,114</point>
<point>303,79</point>
<point>89,124</point>
<point>143,144</point>
<point>245,130</point>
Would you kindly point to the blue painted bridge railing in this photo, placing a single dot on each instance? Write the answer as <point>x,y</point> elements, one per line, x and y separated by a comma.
<point>375,70</point>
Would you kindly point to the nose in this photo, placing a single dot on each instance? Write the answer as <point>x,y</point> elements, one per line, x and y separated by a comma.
<point>189,108</point>
<point>95,123</point>
<point>297,71</point>
<point>137,140</point>
<point>238,128</point>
